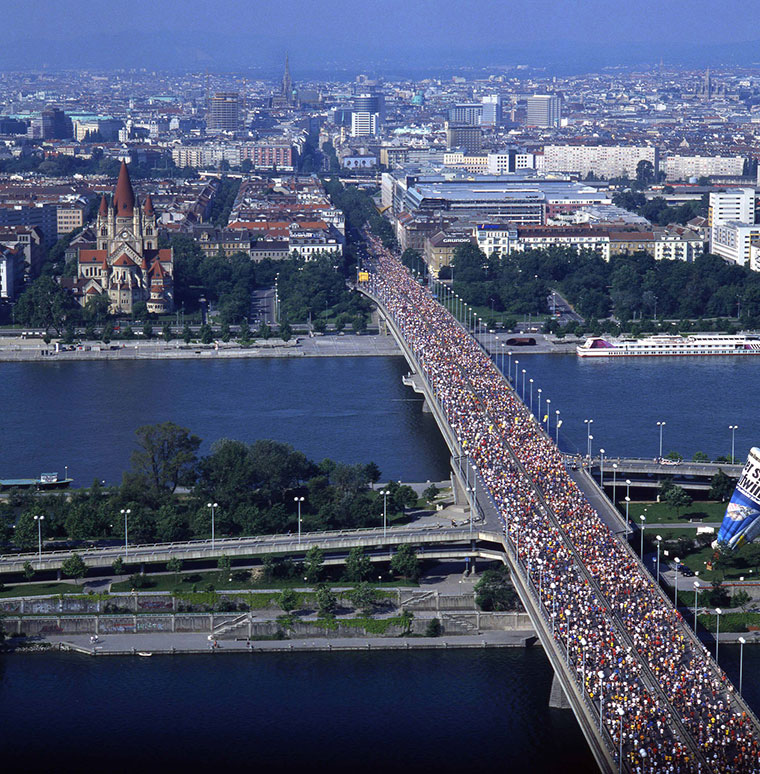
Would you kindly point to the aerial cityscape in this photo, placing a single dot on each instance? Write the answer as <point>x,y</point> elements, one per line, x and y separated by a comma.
<point>380,386</point>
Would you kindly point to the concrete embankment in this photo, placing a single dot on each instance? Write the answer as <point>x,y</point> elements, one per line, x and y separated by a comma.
<point>319,346</point>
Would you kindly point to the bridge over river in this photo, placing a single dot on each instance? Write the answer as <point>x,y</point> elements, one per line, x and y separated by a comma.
<point>644,690</point>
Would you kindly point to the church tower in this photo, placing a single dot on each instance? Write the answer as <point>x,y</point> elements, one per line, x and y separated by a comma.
<point>287,83</point>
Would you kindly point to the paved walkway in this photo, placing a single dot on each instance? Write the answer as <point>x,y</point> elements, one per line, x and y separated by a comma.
<point>164,643</point>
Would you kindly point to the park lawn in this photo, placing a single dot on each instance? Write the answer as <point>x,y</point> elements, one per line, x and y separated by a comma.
<point>661,513</point>
<point>40,589</point>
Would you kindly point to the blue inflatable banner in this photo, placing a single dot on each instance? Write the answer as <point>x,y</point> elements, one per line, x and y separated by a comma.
<point>742,520</point>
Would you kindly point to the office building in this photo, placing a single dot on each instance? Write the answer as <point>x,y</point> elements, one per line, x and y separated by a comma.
<point>224,112</point>
<point>466,115</point>
<point>491,111</point>
<point>364,124</point>
<point>544,110</point>
<point>735,204</point>
<point>467,138</point>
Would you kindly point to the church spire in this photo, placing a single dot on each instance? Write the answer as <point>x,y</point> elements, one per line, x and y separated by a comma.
<point>124,196</point>
<point>287,84</point>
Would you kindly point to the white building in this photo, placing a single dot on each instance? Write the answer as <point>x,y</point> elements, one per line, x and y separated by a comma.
<point>364,124</point>
<point>544,110</point>
<point>601,160</point>
<point>733,241</point>
<point>735,204</point>
<point>679,167</point>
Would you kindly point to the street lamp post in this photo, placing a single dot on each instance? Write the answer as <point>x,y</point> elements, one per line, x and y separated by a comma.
<point>517,363</point>
<point>125,513</point>
<point>620,736</point>
<point>741,662</point>
<point>677,561</point>
<point>213,507</point>
<point>539,403</point>
<point>614,482</point>
<point>523,387</point>
<point>39,520</point>
<point>531,395</point>
<point>627,504</point>
<point>548,411</point>
<point>660,425</point>
<point>601,469</point>
<point>509,369</point>
<point>601,699</point>
<point>718,613</point>
<point>298,501</point>
<point>658,538</point>
<point>733,429</point>
<point>696,598</point>
<point>556,427</point>
<point>643,525</point>
<point>588,423</point>
<point>385,494</point>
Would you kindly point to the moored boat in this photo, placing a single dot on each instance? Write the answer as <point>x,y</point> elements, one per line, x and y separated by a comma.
<point>670,345</point>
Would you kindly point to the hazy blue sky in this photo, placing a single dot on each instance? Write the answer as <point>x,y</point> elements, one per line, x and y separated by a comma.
<point>252,33</point>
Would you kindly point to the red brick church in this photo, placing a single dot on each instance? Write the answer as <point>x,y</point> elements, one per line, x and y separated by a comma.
<point>127,265</point>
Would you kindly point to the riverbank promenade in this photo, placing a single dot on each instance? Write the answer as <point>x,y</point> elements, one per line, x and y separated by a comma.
<point>647,695</point>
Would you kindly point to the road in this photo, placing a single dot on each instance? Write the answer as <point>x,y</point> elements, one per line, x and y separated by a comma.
<point>262,306</point>
<point>565,312</point>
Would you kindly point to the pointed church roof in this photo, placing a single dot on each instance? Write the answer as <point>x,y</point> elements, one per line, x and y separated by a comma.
<point>148,206</point>
<point>124,196</point>
<point>103,210</point>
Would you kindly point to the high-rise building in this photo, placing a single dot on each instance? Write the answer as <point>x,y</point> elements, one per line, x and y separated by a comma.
<point>469,138</point>
<point>544,110</point>
<point>469,114</point>
<point>364,123</point>
<point>224,112</point>
<point>735,204</point>
<point>52,124</point>
<point>491,110</point>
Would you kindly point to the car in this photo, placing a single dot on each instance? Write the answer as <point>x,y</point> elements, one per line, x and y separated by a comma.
<point>687,572</point>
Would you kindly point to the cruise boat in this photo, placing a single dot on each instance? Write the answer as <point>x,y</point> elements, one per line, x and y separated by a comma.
<point>667,345</point>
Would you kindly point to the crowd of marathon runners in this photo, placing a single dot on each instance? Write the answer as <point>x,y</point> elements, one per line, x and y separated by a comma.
<point>630,649</point>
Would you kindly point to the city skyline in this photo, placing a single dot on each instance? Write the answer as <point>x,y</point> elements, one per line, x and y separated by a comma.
<point>580,36</point>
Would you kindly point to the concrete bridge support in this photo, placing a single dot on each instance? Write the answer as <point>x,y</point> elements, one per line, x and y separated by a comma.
<point>557,697</point>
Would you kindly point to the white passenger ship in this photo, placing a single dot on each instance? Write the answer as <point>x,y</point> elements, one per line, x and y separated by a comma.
<point>670,345</point>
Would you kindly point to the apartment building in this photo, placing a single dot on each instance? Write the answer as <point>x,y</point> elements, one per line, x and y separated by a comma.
<point>600,160</point>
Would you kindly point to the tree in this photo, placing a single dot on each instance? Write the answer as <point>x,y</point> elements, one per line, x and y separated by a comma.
<point>147,331</point>
<point>287,600</point>
<point>405,620</point>
<point>494,590</point>
<point>187,334</point>
<point>433,628</point>
<point>327,602</point>
<point>224,564</point>
<point>358,565</point>
<point>45,304</point>
<point>677,497</point>
<point>166,332</point>
<point>286,332</point>
<point>314,564</point>
<point>165,457</point>
<point>117,566</point>
<point>405,563</point>
<point>373,472</point>
<point>363,598</point>
<point>74,567</point>
<point>175,565</point>
<point>700,457</point>
<point>740,599</point>
<point>721,486</point>
<point>25,533</point>
<point>206,334</point>
<point>644,173</point>
<point>718,595</point>
<point>430,493</point>
<point>28,570</point>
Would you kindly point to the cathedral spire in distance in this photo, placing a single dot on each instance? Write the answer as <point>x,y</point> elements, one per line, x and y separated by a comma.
<point>287,83</point>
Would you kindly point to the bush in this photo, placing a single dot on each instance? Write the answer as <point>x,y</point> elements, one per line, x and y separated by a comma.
<point>434,628</point>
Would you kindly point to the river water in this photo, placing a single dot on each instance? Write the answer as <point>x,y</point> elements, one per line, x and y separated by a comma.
<point>443,711</point>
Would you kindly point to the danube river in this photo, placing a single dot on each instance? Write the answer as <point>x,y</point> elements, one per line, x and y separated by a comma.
<point>83,415</point>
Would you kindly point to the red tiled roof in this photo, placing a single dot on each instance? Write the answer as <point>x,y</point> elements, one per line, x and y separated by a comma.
<point>92,256</point>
